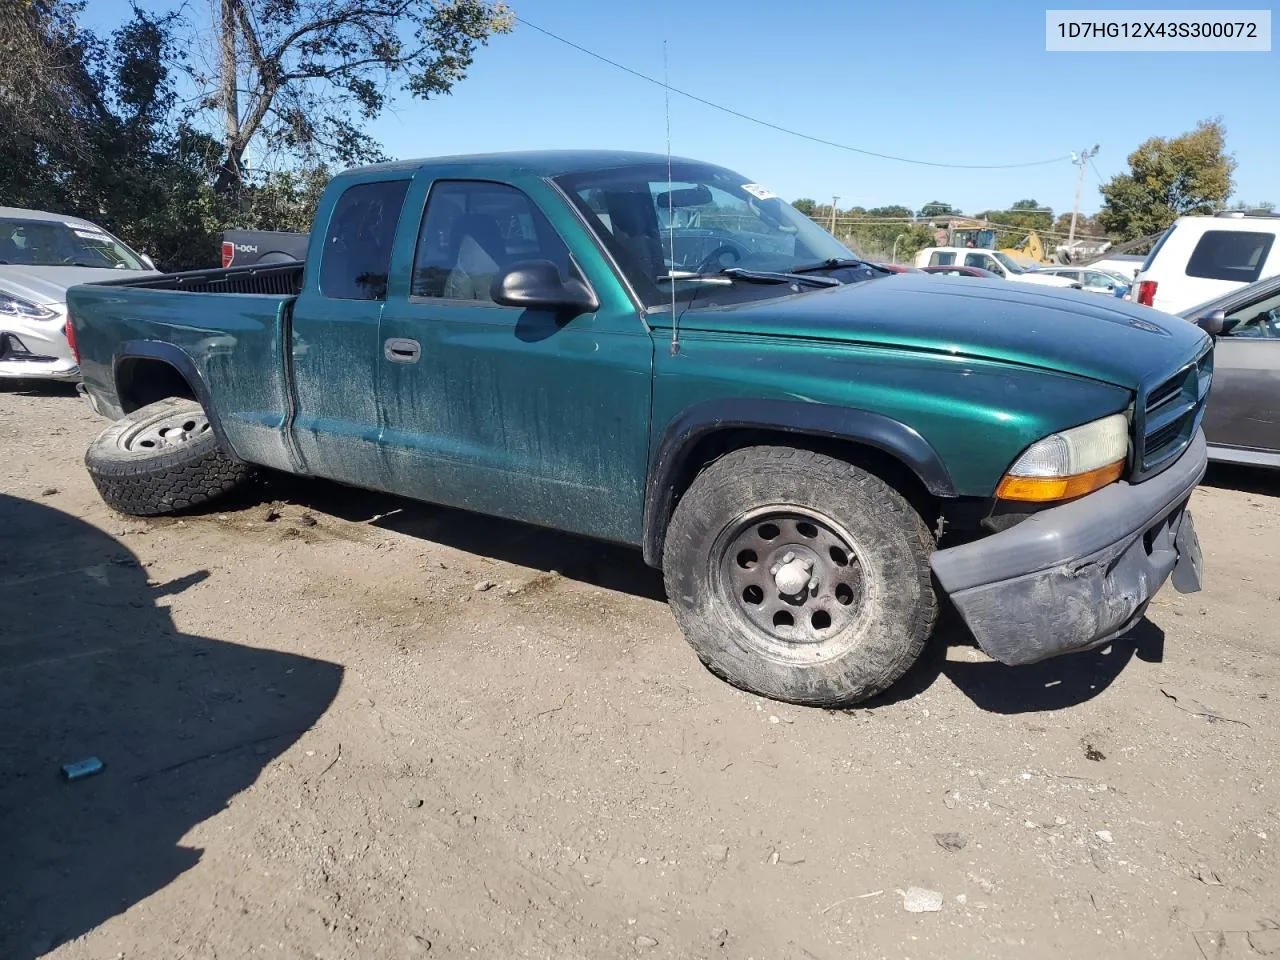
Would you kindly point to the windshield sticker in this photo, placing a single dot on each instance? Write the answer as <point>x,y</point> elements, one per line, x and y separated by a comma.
<point>759,192</point>
<point>90,235</point>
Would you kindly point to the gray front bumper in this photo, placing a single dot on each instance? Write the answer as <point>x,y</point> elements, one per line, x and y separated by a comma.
<point>1075,576</point>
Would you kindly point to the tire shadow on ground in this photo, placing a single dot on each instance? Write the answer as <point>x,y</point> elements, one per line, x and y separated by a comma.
<point>91,665</point>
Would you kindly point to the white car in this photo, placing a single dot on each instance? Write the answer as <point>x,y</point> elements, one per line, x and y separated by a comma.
<point>1202,258</point>
<point>1092,279</point>
<point>41,256</point>
<point>993,260</point>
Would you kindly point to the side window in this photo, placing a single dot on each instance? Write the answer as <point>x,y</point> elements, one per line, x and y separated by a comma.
<point>357,246</point>
<point>473,229</point>
<point>1261,320</point>
<point>1230,255</point>
<point>937,259</point>
<point>977,260</point>
<point>1099,281</point>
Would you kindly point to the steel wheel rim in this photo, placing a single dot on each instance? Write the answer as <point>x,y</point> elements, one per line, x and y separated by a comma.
<point>165,431</point>
<point>762,555</point>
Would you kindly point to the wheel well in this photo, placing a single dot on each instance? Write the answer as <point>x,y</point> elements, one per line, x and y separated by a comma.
<point>707,449</point>
<point>144,380</point>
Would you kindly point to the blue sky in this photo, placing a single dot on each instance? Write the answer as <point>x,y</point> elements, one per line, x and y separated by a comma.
<point>952,82</point>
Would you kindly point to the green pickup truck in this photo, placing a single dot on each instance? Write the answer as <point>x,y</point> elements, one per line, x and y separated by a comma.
<point>659,352</point>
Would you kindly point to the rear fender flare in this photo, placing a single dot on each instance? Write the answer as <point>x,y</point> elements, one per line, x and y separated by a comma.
<point>181,361</point>
<point>800,417</point>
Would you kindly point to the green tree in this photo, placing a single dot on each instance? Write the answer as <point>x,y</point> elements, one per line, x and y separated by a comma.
<point>1169,178</point>
<point>306,76</point>
<point>805,206</point>
<point>936,208</point>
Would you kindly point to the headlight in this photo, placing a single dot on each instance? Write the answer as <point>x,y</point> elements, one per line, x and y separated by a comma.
<point>1069,464</point>
<point>17,307</point>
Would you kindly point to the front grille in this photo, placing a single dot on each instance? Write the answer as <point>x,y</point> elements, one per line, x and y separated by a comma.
<point>1167,415</point>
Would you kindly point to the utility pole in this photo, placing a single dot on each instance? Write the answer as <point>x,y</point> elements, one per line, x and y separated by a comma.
<point>833,215</point>
<point>1079,160</point>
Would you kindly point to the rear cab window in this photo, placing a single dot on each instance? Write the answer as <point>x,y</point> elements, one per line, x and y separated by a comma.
<point>938,259</point>
<point>356,259</point>
<point>1237,255</point>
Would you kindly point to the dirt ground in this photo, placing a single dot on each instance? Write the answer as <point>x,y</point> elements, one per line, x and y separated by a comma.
<point>322,739</point>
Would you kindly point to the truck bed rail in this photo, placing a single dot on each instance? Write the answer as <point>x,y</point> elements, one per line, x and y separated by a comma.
<point>277,278</point>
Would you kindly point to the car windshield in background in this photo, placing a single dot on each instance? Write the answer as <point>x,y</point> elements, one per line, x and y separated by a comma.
<point>49,243</point>
<point>700,221</point>
<point>1010,264</point>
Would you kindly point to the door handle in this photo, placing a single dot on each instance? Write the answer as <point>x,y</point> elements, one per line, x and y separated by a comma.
<point>402,350</point>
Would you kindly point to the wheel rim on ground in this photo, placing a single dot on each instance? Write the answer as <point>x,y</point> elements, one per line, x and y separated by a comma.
<point>166,430</point>
<point>794,582</point>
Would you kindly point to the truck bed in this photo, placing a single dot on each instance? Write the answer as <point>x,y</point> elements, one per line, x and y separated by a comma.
<point>224,332</point>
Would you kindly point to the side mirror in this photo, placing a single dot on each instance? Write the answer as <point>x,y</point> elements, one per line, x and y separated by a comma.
<point>146,258</point>
<point>1212,323</point>
<point>536,285</point>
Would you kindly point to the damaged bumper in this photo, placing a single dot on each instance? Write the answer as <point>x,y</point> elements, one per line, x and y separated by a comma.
<point>1078,575</point>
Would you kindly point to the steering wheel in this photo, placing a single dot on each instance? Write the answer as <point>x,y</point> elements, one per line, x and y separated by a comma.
<point>712,259</point>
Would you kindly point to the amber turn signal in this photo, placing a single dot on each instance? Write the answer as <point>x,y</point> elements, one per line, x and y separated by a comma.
<point>1048,489</point>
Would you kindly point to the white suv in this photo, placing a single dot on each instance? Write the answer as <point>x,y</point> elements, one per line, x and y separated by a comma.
<point>1201,258</point>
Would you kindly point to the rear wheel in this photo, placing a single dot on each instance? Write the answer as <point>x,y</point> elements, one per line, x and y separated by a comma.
<point>800,576</point>
<point>162,458</point>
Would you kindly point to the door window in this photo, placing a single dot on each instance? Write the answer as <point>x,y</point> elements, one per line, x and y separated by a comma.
<point>471,230</point>
<point>1098,281</point>
<point>983,261</point>
<point>357,245</point>
<point>1260,320</point>
<point>1230,255</point>
<point>937,259</point>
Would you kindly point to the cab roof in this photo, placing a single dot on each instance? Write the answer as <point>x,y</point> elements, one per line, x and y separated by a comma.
<point>538,163</point>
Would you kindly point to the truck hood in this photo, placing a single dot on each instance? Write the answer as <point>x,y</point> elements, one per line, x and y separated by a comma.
<point>1066,331</point>
<point>48,285</point>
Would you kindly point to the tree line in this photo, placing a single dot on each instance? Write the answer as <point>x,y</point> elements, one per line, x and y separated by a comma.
<point>167,137</point>
<point>168,133</point>
<point>1168,177</point>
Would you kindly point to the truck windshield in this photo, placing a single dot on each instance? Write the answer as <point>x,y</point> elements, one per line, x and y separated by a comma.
<point>700,220</point>
<point>53,243</point>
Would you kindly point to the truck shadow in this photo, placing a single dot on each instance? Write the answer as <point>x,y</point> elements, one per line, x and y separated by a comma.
<point>92,666</point>
<point>1051,685</point>
<point>604,565</point>
<point>1055,684</point>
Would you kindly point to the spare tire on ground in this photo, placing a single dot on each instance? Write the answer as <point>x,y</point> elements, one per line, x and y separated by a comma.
<point>162,458</point>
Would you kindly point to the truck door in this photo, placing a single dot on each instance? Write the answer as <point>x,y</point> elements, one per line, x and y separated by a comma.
<point>502,410</point>
<point>336,350</point>
<point>1244,405</point>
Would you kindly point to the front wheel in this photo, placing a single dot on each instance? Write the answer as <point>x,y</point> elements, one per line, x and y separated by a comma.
<point>799,576</point>
<point>162,458</point>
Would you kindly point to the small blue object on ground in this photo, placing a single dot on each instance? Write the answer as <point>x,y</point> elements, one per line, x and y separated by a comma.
<point>81,768</point>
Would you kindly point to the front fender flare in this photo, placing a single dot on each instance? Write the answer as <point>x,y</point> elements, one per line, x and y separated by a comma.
<point>800,417</point>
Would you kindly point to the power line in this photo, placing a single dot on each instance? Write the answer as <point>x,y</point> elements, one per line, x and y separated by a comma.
<point>773,126</point>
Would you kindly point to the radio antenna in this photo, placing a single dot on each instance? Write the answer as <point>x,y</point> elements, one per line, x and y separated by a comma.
<point>671,221</point>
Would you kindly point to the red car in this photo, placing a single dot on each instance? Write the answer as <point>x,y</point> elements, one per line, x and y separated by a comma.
<point>954,270</point>
<point>899,268</point>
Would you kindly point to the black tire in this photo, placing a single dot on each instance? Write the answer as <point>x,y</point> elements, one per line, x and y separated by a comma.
<point>889,590</point>
<point>143,467</point>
